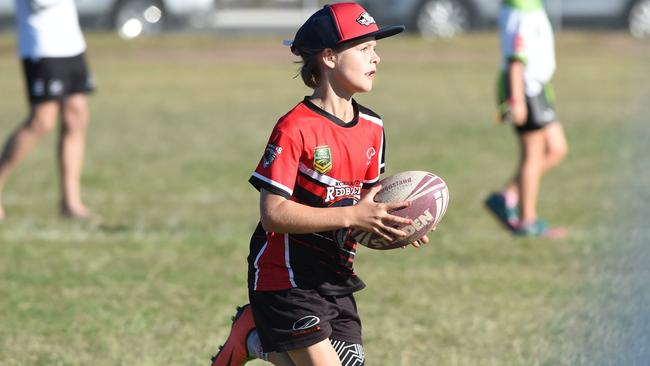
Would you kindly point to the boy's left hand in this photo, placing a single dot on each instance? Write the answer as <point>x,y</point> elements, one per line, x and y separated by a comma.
<point>422,241</point>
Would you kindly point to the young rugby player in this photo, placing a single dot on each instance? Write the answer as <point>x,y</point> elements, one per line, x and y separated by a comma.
<point>317,179</point>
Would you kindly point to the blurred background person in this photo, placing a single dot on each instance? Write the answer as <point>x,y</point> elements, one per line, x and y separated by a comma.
<point>52,49</point>
<point>526,101</point>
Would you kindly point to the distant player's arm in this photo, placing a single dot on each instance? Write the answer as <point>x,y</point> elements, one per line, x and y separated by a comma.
<point>517,101</point>
<point>38,5</point>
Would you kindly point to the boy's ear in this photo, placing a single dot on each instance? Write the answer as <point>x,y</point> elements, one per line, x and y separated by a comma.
<point>329,58</point>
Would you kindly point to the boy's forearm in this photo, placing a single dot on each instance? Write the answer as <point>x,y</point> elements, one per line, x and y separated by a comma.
<point>285,216</point>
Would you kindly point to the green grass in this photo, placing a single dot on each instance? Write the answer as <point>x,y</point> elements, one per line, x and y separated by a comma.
<point>179,122</point>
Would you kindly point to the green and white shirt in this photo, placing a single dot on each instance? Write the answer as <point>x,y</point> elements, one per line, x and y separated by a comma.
<point>527,36</point>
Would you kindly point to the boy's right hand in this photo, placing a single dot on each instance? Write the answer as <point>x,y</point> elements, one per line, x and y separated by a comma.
<point>519,112</point>
<point>375,217</point>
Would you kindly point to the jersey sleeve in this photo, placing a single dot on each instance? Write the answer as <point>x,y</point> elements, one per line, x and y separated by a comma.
<point>377,161</point>
<point>278,167</point>
<point>513,37</point>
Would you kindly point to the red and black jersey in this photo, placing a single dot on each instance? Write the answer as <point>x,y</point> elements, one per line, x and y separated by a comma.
<point>315,159</point>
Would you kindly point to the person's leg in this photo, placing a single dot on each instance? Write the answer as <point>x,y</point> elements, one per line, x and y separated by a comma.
<point>556,149</point>
<point>504,204</point>
<point>71,147</point>
<point>42,119</point>
<point>530,173</point>
<point>273,324</point>
<point>280,359</point>
<point>556,146</point>
<point>540,153</point>
<point>510,190</point>
<point>319,354</point>
<point>243,344</point>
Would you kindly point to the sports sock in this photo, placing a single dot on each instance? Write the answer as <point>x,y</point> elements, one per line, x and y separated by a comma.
<point>511,198</point>
<point>254,346</point>
<point>523,223</point>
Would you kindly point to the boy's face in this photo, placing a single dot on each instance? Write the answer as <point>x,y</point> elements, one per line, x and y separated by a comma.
<point>356,66</point>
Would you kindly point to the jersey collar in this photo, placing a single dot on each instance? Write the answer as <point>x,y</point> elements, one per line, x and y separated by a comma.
<point>309,104</point>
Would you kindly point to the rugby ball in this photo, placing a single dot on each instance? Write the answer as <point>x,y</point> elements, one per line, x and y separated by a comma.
<point>429,197</point>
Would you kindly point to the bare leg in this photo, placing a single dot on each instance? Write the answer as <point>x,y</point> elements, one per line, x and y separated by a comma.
<point>72,143</point>
<point>556,151</point>
<point>280,359</point>
<point>510,191</point>
<point>511,188</point>
<point>42,119</point>
<point>319,354</point>
<point>556,146</point>
<point>530,172</point>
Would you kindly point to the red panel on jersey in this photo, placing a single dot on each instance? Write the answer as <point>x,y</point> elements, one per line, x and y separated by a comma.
<point>273,273</point>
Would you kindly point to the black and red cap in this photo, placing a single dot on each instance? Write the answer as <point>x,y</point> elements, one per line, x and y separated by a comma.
<point>338,24</point>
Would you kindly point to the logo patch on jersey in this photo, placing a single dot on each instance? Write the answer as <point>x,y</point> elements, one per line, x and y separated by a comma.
<point>270,154</point>
<point>365,19</point>
<point>344,190</point>
<point>322,159</point>
<point>369,154</point>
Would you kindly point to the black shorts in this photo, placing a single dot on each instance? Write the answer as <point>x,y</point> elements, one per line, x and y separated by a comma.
<point>541,108</point>
<point>541,112</point>
<point>298,318</point>
<point>56,78</point>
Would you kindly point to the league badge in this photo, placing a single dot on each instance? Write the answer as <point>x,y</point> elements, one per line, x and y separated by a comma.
<point>322,159</point>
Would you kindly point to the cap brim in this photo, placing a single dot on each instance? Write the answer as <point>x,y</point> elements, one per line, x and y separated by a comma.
<point>378,34</point>
<point>389,31</point>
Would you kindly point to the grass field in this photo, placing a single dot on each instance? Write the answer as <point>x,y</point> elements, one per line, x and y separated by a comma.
<point>179,122</point>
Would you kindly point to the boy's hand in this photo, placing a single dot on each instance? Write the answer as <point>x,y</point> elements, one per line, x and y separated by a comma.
<point>422,241</point>
<point>375,217</point>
